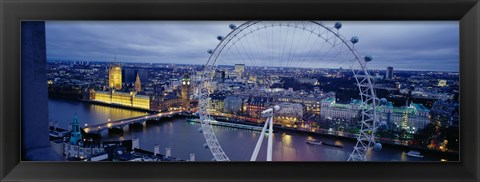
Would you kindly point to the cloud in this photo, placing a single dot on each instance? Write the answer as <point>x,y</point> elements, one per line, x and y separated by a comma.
<point>403,45</point>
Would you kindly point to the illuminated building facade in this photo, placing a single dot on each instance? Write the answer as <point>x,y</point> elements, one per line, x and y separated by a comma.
<point>115,77</point>
<point>332,110</point>
<point>233,104</point>
<point>92,94</point>
<point>216,103</point>
<point>255,105</point>
<point>293,110</point>
<point>121,98</point>
<point>141,101</point>
<point>82,151</point>
<point>127,99</point>
<point>289,114</point>
<point>102,96</point>
<point>167,101</point>
<point>442,83</point>
<point>411,118</point>
<point>311,104</point>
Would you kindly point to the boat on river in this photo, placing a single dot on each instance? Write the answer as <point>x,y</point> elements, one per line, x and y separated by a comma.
<point>413,153</point>
<point>332,145</point>
<point>314,142</point>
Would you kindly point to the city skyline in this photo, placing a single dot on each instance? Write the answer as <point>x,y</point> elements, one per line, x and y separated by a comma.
<point>319,103</point>
<point>412,46</point>
<point>247,66</point>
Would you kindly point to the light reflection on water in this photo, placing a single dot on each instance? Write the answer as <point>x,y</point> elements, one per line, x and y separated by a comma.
<point>63,111</point>
<point>183,137</point>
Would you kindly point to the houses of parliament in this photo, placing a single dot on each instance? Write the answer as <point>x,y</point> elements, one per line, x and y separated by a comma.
<point>125,89</point>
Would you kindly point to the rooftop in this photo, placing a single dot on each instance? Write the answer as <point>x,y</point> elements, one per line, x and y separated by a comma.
<point>419,107</point>
<point>330,99</point>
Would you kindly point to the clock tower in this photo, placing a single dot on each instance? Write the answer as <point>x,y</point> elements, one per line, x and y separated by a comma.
<point>186,89</point>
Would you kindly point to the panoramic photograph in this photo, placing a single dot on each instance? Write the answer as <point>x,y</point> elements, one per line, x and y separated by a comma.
<point>203,91</point>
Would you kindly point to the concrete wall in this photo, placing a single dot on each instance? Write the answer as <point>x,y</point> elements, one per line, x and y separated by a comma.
<point>34,104</point>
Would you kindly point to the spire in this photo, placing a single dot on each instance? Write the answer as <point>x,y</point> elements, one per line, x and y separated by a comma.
<point>138,84</point>
<point>186,75</point>
<point>75,119</point>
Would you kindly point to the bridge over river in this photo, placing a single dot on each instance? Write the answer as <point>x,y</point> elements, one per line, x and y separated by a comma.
<point>98,128</point>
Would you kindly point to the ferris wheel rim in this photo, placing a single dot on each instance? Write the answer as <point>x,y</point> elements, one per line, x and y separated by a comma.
<point>364,140</point>
<point>241,27</point>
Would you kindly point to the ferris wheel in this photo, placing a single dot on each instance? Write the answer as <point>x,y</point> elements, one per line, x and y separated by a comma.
<point>260,47</point>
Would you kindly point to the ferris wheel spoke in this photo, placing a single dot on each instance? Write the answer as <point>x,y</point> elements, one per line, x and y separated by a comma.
<point>291,45</point>
<point>316,53</point>
<point>269,38</point>
<point>343,51</point>
<point>324,56</point>
<point>306,57</point>
<point>247,52</point>
<point>283,49</point>
<point>334,57</point>
<point>258,47</point>
<point>273,48</point>
<point>308,46</point>
<point>296,45</point>
<point>261,48</point>
<point>238,50</point>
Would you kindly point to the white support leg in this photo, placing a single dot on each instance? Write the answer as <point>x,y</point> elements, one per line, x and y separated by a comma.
<point>268,113</point>
<point>259,142</point>
<point>270,140</point>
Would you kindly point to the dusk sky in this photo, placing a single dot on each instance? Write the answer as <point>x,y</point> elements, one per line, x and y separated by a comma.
<point>414,45</point>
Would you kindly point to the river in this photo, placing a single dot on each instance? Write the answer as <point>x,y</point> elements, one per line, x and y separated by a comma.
<point>183,137</point>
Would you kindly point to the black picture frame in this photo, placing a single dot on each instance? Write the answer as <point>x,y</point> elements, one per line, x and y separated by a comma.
<point>13,12</point>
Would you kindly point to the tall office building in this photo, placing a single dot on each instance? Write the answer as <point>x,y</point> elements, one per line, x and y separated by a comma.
<point>239,69</point>
<point>389,74</point>
<point>115,77</point>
